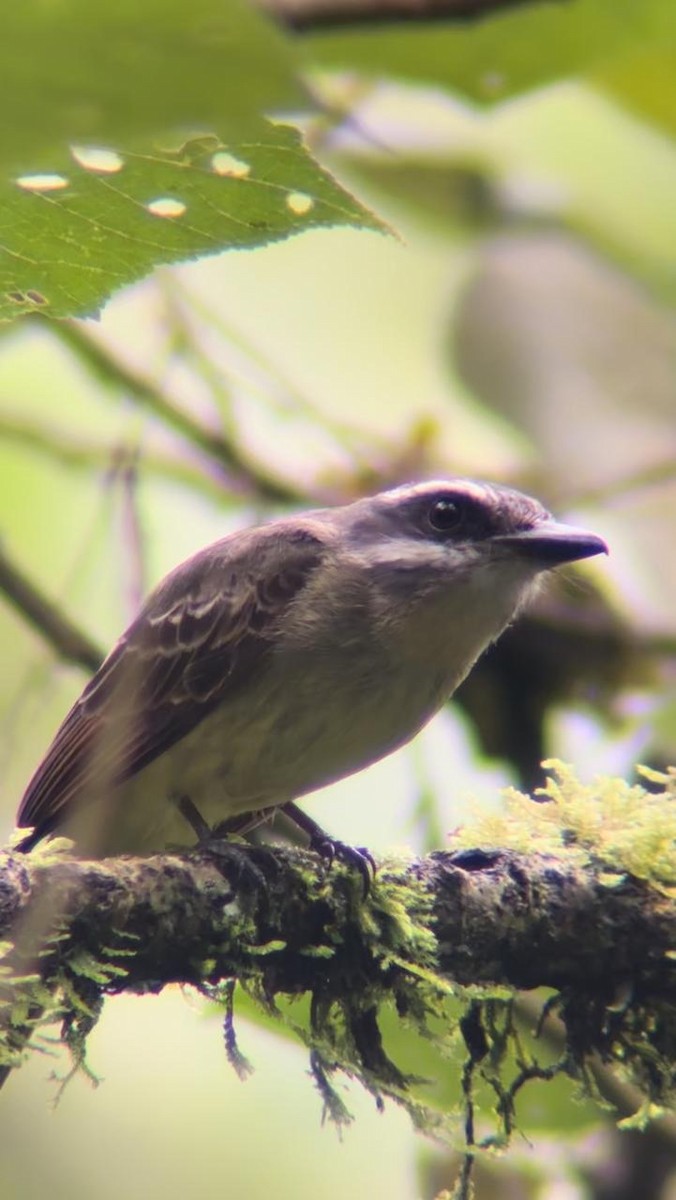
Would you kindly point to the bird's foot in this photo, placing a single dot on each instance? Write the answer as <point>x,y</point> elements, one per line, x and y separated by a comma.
<point>251,865</point>
<point>357,858</point>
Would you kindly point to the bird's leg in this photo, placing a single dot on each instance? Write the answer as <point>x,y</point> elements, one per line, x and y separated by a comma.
<point>195,820</point>
<point>215,839</point>
<point>243,823</point>
<point>208,833</point>
<point>330,848</point>
<point>215,842</point>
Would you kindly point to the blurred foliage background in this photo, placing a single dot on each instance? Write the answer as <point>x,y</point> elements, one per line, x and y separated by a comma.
<point>484,285</point>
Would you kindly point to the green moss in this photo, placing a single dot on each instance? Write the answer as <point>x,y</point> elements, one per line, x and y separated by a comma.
<point>622,827</point>
<point>26,1005</point>
<point>396,920</point>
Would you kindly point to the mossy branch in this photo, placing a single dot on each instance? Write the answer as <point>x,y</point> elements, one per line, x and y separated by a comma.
<point>473,917</point>
<point>577,897</point>
<point>281,924</point>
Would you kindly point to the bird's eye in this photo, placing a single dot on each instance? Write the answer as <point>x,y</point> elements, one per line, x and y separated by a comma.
<point>445,515</point>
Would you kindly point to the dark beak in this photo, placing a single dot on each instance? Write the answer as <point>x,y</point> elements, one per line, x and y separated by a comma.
<point>552,543</point>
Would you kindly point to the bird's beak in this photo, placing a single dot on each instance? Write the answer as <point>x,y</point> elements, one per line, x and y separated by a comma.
<point>552,543</point>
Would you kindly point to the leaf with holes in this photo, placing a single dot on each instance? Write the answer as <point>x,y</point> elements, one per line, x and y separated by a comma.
<point>74,236</point>
<point>102,172</point>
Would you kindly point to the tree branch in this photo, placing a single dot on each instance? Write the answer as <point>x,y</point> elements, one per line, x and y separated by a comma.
<point>250,478</point>
<point>497,917</point>
<point>281,924</point>
<point>68,642</point>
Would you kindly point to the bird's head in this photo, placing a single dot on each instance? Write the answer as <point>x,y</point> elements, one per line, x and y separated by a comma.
<point>469,551</point>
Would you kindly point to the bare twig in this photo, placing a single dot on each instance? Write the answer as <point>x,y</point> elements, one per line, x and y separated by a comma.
<point>132,535</point>
<point>69,642</point>
<point>247,477</point>
<point>61,446</point>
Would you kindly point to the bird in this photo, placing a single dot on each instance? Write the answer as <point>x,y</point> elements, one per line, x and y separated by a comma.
<point>286,656</point>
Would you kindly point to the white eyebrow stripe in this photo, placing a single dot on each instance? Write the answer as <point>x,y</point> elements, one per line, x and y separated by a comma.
<point>431,487</point>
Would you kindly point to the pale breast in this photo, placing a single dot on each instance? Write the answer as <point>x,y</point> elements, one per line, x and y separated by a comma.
<point>274,744</point>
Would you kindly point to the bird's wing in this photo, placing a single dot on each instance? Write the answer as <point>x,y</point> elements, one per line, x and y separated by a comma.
<point>206,630</point>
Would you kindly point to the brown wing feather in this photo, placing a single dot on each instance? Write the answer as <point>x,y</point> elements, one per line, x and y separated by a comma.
<point>201,634</point>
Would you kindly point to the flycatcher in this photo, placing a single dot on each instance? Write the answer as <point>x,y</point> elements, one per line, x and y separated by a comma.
<point>287,656</point>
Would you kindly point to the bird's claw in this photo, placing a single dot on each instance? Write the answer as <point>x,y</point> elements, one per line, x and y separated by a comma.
<point>358,858</point>
<point>250,866</point>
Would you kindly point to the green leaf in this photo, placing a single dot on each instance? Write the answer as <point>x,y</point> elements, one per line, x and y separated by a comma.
<point>67,247</point>
<point>122,73</point>
<point>502,56</point>
<point>644,82</point>
<point>137,137</point>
